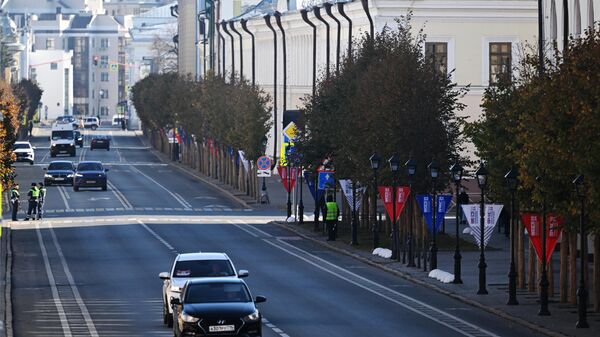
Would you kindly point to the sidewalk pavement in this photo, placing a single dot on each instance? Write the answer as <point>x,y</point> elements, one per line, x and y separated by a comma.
<point>563,316</point>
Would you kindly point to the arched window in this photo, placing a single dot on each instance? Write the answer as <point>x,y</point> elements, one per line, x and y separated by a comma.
<point>577,19</point>
<point>553,25</point>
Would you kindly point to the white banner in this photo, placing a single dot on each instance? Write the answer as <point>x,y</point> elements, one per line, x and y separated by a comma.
<point>346,185</point>
<point>244,161</point>
<point>491,215</point>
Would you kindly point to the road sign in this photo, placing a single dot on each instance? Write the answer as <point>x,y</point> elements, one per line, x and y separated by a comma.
<point>387,196</point>
<point>290,131</point>
<point>264,163</point>
<point>326,179</point>
<point>533,224</point>
<point>288,182</point>
<point>263,173</point>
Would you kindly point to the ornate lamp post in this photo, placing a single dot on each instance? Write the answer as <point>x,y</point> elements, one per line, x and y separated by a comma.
<point>544,276</point>
<point>457,172</point>
<point>512,181</point>
<point>394,164</point>
<point>481,175</point>
<point>581,290</point>
<point>433,171</point>
<point>375,160</point>
<point>411,169</point>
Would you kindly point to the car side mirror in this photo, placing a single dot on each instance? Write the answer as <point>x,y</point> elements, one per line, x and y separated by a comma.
<point>175,301</point>
<point>243,273</point>
<point>106,170</point>
<point>164,275</point>
<point>259,299</point>
<point>33,147</point>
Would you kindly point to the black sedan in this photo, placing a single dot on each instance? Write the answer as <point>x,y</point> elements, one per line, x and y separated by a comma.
<point>59,172</point>
<point>216,306</point>
<point>100,142</point>
<point>78,138</point>
<point>90,174</point>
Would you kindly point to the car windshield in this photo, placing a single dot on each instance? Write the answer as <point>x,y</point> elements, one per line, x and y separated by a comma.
<point>21,146</point>
<point>89,167</point>
<point>56,135</point>
<point>203,268</point>
<point>60,166</point>
<point>217,293</point>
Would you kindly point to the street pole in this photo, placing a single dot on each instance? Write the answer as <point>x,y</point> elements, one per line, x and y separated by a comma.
<point>511,178</point>
<point>581,290</point>
<point>394,229</point>
<point>457,171</point>
<point>482,180</point>
<point>375,222</point>
<point>301,202</point>
<point>544,276</point>
<point>289,200</point>
<point>433,247</point>
<point>354,241</point>
<point>411,253</point>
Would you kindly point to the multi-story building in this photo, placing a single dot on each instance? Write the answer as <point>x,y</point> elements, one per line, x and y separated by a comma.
<point>131,7</point>
<point>53,72</point>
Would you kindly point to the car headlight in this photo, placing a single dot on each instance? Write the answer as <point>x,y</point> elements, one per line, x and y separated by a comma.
<point>78,175</point>
<point>189,319</point>
<point>69,175</point>
<point>53,145</point>
<point>253,317</point>
<point>47,176</point>
<point>176,289</point>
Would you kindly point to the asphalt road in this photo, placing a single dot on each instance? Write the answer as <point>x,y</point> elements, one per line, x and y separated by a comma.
<point>91,267</point>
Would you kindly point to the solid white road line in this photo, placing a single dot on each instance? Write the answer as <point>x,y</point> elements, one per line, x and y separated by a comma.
<point>64,196</point>
<point>57,302</point>
<point>122,199</point>
<point>86,315</point>
<point>182,201</point>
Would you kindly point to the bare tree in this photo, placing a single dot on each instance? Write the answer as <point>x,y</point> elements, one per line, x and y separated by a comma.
<point>165,53</point>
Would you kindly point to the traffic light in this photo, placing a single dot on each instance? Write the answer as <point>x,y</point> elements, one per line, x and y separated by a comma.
<point>95,60</point>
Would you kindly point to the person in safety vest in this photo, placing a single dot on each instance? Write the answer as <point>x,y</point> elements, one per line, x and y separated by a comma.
<point>33,196</point>
<point>331,218</point>
<point>14,201</point>
<point>41,200</point>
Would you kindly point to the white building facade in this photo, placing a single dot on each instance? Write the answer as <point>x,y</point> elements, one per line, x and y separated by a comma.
<point>53,71</point>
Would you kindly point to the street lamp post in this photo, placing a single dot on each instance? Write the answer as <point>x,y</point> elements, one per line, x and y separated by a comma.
<point>301,201</point>
<point>481,174</point>
<point>433,171</point>
<point>100,94</point>
<point>457,172</point>
<point>375,160</point>
<point>512,180</point>
<point>411,168</point>
<point>581,290</point>
<point>394,163</point>
<point>544,276</point>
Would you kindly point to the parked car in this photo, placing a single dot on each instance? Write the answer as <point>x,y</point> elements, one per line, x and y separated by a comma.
<point>91,123</point>
<point>190,266</point>
<point>67,120</point>
<point>78,138</point>
<point>59,172</point>
<point>100,142</point>
<point>217,306</point>
<point>24,152</point>
<point>90,174</point>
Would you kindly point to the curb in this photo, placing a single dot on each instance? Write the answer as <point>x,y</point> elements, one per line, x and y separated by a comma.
<point>408,277</point>
<point>8,317</point>
<point>186,170</point>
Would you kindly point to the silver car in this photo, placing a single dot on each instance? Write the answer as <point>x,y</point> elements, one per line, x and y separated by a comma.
<point>190,266</point>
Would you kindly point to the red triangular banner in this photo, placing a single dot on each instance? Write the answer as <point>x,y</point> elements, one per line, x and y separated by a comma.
<point>533,224</point>
<point>387,196</point>
<point>283,173</point>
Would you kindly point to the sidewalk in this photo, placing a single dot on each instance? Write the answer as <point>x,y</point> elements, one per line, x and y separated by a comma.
<point>563,315</point>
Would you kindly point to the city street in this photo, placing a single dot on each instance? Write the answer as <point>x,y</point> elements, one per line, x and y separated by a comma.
<point>90,268</point>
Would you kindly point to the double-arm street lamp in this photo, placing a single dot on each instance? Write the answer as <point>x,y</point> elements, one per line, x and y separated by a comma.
<point>394,164</point>
<point>512,181</point>
<point>481,175</point>
<point>375,160</point>
<point>411,169</point>
<point>457,172</point>
<point>581,291</point>
<point>433,171</point>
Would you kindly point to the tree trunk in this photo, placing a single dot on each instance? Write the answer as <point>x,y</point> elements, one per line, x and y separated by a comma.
<point>520,255</point>
<point>531,280</point>
<point>573,267</point>
<point>596,298</point>
<point>564,266</point>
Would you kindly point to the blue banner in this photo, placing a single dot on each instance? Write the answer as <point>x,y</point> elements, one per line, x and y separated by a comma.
<point>442,205</point>
<point>326,179</point>
<point>312,187</point>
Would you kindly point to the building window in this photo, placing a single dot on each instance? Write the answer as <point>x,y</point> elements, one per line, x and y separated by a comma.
<point>104,43</point>
<point>103,111</point>
<point>33,74</point>
<point>103,93</point>
<point>437,54</point>
<point>104,61</point>
<point>49,43</point>
<point>53,66</point>
<point>104,77</point>
<point>500,61</point>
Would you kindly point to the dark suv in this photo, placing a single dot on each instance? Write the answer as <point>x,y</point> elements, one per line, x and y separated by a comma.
<point>90,174</point>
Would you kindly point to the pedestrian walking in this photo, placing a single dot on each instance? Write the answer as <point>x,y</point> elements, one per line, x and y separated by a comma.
<point>331,218</point>
<point>30,127</point>
<point>32,195</point>
<point>41,200</point>
<point>463,199</point>
<point>14,201</point>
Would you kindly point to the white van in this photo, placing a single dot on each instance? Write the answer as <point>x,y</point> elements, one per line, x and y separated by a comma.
<point>62,140</point>
<point>116,120</point>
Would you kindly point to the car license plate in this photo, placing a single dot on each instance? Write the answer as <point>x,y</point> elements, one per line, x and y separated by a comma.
<point>221,328</point>
<point>63,151</point>
<point>59,179</point>
<point>91,181</point>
